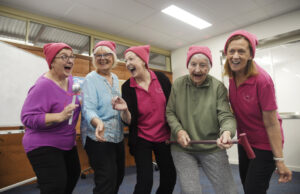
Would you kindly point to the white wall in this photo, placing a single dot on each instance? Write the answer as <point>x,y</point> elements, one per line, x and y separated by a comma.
<point>19,70</point>
<point>265,29</point>
<point>269,28</point>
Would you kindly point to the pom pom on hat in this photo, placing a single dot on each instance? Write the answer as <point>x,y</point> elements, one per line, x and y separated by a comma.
<point>51,49</point>
<point>250,37</point>
<point>141,51</point>
<point>198,50</point>
<point>109,44</point>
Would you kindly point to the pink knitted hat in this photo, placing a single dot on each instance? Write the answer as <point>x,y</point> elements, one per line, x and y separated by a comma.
<point>198,50</point>
<point>250,37</point>
<point>141,51</point>
<point>51,49</point>
<point>109,44</point>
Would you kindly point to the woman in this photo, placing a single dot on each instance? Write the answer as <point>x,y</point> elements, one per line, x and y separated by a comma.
<point>252,97</point>
<point>198,109</point>
<point>101,126</point>
<point>146,94</point>
<point>49,140</point>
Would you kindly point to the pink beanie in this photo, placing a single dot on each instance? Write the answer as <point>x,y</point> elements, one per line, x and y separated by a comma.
<point>109,44</point>
<point>141,51</point>
<point>198,50</point>
<point>250,37</point>
<point>51,49</point>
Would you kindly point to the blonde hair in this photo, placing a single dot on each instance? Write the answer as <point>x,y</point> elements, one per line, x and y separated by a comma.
<point>108,50</point>
<point>250,68</point>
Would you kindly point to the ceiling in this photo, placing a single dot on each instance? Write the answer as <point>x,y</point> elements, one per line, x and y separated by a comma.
<point>143,21</point>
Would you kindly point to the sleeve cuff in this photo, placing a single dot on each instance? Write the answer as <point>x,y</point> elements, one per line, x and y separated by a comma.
<point>175,131</point>
<point>232,132</point>
<point>41,121</point>
<point>90,116</point>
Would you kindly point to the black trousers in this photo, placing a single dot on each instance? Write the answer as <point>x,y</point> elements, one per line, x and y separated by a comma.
<point>108,162</point>
<point>57,170</point>
<point>143,160</point>
<point>256,174</point>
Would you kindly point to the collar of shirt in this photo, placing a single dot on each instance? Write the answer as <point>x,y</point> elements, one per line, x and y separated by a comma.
<point>249,81</point>
<point>133,83</point>
<point>114,79</point>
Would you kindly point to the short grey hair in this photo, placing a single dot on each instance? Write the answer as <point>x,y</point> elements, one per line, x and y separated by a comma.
<point>201,56</point>
<point>108,50</point>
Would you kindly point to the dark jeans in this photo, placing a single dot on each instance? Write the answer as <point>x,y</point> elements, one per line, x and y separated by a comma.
<point>143,160</point>
<point>108,162</point>
<point>57,170</point>
<point>256,174</point>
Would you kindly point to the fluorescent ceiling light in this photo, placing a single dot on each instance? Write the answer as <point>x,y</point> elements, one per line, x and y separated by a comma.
<point>186,17</point>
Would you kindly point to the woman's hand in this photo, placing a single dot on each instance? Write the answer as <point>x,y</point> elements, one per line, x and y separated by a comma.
<point>274,133</point>
<point>52,118</point>
<point>99,129</point>
<point>183,138</point>
<point>67,112</point>
<point>285,175</point>
<point>224,142</point>
<point>119,103</point>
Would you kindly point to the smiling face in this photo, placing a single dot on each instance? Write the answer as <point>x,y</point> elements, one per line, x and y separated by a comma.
<point>238,55</point>
<point>63,63</point>
<point>199,67</point>
<point>134,64</point>
<point>103,60</point>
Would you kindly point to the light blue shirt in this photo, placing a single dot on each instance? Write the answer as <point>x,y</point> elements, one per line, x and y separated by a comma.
<point>96,102</point>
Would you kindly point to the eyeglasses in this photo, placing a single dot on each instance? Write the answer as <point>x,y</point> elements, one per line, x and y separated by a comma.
<point>66,58</point>
<point>105,55</point>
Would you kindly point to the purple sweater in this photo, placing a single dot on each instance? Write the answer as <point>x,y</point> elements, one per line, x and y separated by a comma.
<point>47,97</point>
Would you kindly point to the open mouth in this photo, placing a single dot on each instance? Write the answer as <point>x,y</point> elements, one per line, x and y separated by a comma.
<point>103,61</point>
<point>131,69</point>
<point>68,68</point>
<point>198,75</point>
<point>235,62</point>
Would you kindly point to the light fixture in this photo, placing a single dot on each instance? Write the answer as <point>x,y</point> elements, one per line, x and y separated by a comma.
<point>186,17</point>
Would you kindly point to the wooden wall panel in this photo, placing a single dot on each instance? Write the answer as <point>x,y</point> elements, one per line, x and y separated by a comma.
<point>14,165</point>
<point>84,162</point>
<point>79,74</point>
<point>81,66</point>
<point>120,70</point>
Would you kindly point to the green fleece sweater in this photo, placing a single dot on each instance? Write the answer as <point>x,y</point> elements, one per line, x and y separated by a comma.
<point>202,111</point>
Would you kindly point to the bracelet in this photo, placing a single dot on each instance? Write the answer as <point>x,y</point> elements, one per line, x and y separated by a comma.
<point>278,159</point>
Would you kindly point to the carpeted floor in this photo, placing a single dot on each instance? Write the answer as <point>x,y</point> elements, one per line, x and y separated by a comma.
<point>85,186</point>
